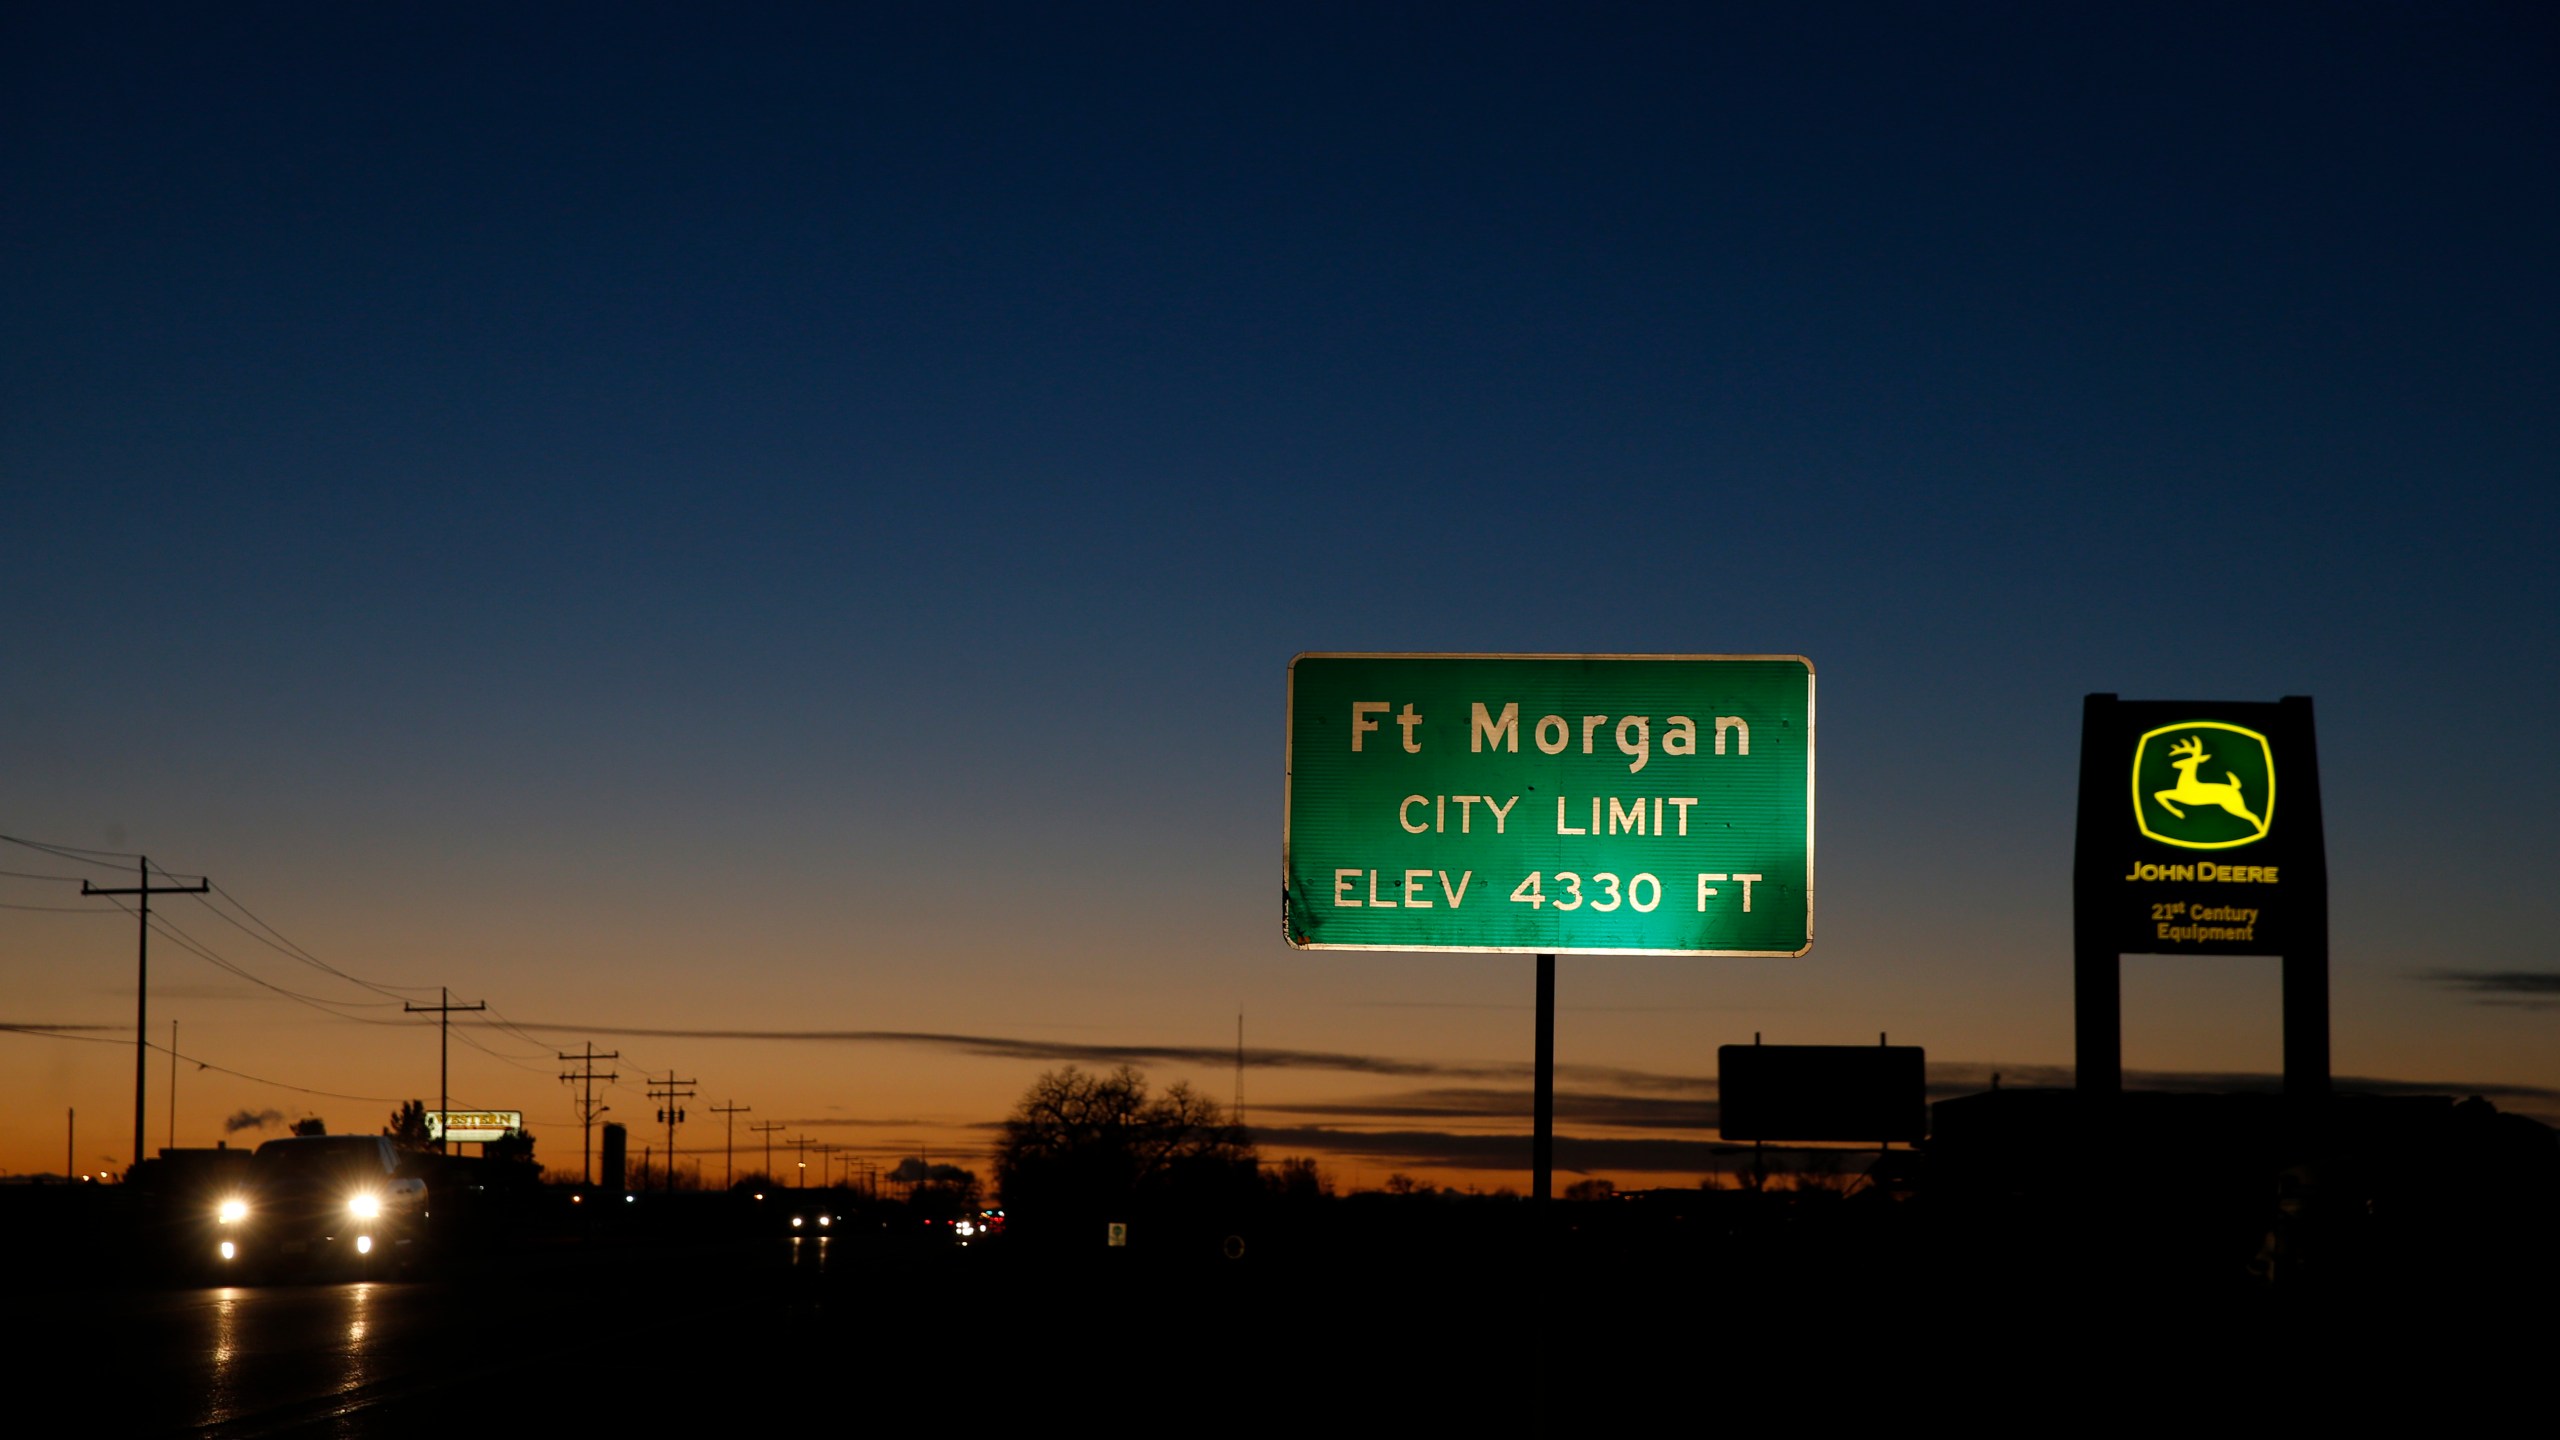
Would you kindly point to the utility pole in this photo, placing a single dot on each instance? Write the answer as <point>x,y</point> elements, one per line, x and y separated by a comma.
<point>588,1109</point>
<point>142,976</point>
<point>173,1084</point>
<point>826,1165</point>
<point>766,1128</point>
<point>668,1090</point>
<point>443,1011</point>
<point>729,1147</point>
<point>801,1144</point>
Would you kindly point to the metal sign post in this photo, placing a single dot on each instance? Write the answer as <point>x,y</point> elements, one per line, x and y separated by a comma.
<point>1542,1144</point>
<point>1550,805</point>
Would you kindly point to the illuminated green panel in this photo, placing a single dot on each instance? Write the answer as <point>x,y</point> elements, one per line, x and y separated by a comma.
<point>1595,804</point>
<point>2204,785</point>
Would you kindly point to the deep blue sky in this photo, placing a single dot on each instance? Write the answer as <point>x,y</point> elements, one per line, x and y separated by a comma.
<point>748,470</point>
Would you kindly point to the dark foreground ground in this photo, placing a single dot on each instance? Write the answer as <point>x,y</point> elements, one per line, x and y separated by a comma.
<point>686,1313</point>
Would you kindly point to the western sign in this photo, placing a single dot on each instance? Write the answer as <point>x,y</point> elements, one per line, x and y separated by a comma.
<point>467,1125</point>
<point>1550,804</point>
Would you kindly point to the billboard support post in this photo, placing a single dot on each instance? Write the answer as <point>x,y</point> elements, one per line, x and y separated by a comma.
<point>1543,1126</point>
<point>2306,956</point>
<point>2097,972</point>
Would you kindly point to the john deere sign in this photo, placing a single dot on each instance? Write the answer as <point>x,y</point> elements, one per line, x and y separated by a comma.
<point>1591,804</point>
<point>2200,834</point>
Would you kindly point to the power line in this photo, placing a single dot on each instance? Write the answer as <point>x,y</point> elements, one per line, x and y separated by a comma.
<point>279,1084</point>
<point>497,1023</point>
<point>165,926</point>
<point>331,1008</point>
<point>256,927</point>
<point>286,943</point>
<point>298,955</point>
<point>78,855</point>
<point>498,1019</point>
<point>41,1032</point>
<point>501,1056</point>
<point>272,938</point>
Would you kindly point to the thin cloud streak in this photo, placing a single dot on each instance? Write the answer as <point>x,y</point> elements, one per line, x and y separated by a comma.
<point>1954,1078</point>
<point>1441,1149</point>
<point>2509,989</point>
<point>1947,1078</point>
<point>1635,1112</point>
<point>1002,1047</point>
<point>845,1121</point>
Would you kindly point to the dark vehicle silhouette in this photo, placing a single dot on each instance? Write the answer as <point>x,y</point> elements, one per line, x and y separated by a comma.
<point>321,1203</point>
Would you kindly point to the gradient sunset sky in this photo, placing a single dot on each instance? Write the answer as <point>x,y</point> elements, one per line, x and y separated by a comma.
<point>771,539</point>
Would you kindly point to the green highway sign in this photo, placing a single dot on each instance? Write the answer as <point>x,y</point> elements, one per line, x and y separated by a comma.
<point>1552,804</point>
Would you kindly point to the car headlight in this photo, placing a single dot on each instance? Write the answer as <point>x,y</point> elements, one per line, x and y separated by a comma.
<point>365,1207</point>
<point>232,1211</point>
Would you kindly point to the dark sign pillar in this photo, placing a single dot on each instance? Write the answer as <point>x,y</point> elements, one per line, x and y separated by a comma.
<point>2199,833</point>
<point>2097,989</point>
<point>2306,954</point>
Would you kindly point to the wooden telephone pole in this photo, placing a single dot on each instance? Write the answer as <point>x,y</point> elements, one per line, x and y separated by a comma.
<point>142,982</point>
<point>671,1090</point>
<point>443,1011</point>
<point>766,1129</point>
<point>729,1147</point>
<point>588,1109</point>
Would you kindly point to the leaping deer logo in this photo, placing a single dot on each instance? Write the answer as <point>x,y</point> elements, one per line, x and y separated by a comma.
<point>2188,754</point>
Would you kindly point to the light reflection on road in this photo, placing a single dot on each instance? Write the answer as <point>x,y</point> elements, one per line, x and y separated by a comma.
<point>359,1359</point>
<point>286,1345</point>
<point>226,1354</point>
<point>809,1253</point>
